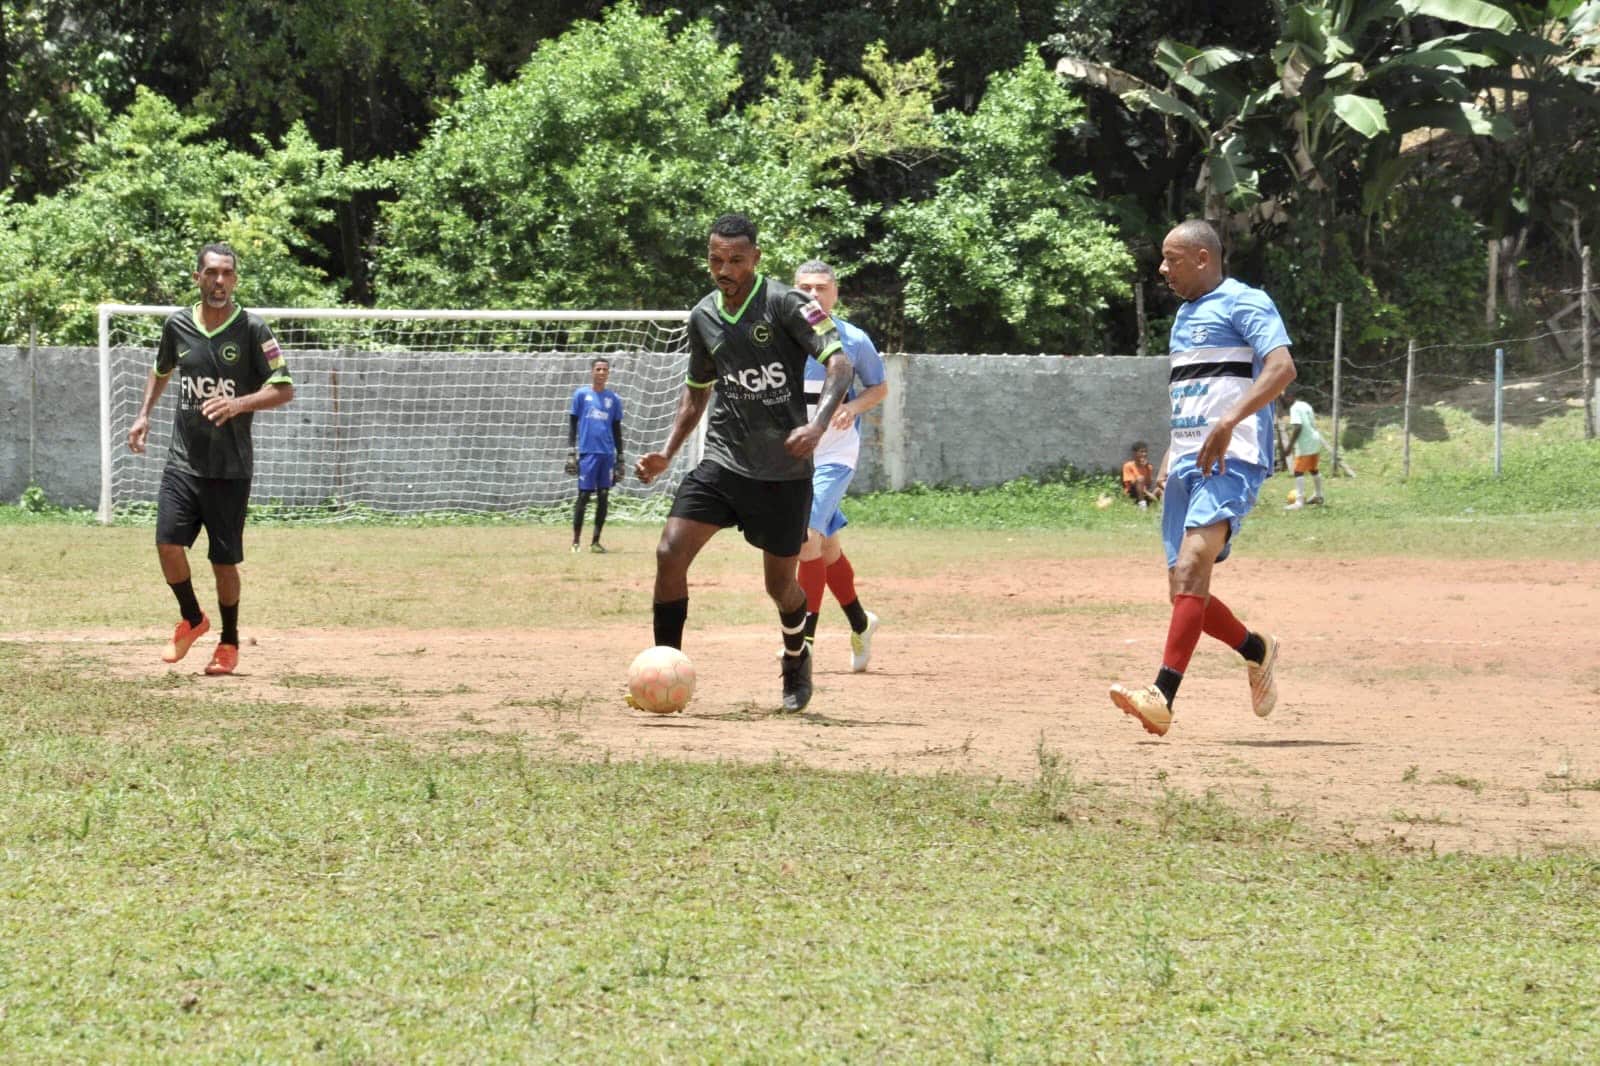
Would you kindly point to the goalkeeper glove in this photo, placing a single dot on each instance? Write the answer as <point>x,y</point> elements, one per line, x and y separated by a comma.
<point>572,462</point>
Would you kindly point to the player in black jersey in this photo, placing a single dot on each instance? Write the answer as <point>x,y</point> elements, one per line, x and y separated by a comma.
<point>229,367</point>
<point>748,341</point>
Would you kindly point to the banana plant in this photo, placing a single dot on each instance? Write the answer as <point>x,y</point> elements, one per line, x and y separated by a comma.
<point>1345,81</point>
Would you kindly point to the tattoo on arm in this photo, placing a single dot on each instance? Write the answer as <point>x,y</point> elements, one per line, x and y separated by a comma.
<point>834,386</point>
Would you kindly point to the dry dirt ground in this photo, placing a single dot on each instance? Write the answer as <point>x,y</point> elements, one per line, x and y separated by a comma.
<point>1441,705</point>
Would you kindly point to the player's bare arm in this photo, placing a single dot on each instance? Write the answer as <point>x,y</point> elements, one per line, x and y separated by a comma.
<point>1277,371</point>
<point>851,410</point>
<point>802,440</point>
<point>139,432</point>
<point>691,405</point>
<point>220,409</point>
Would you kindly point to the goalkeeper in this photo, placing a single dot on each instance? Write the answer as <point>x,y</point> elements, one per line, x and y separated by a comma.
<point>594,449</point>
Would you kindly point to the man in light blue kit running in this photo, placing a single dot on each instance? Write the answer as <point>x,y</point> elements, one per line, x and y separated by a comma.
<point>823,563</point>
<point>1230,360</point>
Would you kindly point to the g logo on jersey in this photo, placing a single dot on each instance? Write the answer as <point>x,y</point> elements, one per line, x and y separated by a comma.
<point>761,333</point>
<point>229,353</point>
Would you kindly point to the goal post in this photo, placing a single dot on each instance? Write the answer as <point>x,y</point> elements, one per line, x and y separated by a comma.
<point>415,413</point>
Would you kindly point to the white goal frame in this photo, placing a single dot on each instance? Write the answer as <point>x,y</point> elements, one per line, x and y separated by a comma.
<point>113,393</point>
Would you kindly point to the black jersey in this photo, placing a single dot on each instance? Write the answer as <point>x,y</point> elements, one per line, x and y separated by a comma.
<point>756,357</point>
<point>235,359</point>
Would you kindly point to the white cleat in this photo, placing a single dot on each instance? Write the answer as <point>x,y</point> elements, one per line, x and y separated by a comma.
<point>861,645</point>
<point>1263,685</point>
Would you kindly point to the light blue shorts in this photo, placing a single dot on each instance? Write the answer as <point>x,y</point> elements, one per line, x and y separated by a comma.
<point>828,485</point>
<point>1194,501</point>
<point>594,471</point>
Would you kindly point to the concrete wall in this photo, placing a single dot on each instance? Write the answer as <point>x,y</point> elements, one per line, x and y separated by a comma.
<point>50,424</point>
<point>982,419</point>
<point>949,420</point>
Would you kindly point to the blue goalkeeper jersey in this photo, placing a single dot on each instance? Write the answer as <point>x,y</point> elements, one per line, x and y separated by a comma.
<point>596,413</point>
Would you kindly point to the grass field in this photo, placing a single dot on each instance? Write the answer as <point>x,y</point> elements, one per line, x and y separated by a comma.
<point>302,871</point>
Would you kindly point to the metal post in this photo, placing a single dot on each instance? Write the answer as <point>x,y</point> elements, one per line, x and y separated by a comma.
<point>105,414</point>
<point>1405,418</point>
<point>1499,404</point>
<point>33,404</point>
<point>1338,348</point>
<point>1588,374</point>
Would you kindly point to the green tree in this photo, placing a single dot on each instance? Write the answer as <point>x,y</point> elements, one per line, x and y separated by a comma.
<point>1008,255</point>
<point>152,192</point>
<point>589,180</point>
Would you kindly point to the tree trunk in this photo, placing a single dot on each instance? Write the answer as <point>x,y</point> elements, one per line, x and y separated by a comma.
<point>355,268</point>
<point>7,105</point>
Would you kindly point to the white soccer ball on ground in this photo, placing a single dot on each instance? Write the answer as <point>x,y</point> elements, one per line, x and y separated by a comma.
<point>661,680</point>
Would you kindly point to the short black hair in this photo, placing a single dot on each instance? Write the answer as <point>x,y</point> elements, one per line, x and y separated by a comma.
<point>220,248</point>
<point>1138,446</point>
<point>597,360</point>
<point>734,225</point>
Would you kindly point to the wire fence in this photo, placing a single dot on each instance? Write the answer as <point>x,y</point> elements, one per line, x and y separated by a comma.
<point>1395,389</point>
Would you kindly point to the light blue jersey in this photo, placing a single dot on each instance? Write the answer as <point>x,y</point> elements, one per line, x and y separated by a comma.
<point>1218,345</point>
<point>843,446</point>
<point>595,412</point>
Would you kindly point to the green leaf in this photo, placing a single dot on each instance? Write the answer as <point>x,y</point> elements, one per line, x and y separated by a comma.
<point>1464,119</point>
<point>1166,104</point>
<point>1438,57</point>
<point>1361,113</point>
<point>1467,12</point>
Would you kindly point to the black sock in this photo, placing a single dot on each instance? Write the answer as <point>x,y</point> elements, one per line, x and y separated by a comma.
<point>188,606</point>
<point>669,618</point>
<point>601,499</point>
<point>577,515</point>
<point>1168,681</point>
<point>230,623</point>
<point>811,627</point>
<point>1253,648</point>
<point>794,629</point>
<point>857,615</point>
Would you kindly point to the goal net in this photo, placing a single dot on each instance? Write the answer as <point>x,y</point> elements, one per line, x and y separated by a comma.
<point>414,413</point>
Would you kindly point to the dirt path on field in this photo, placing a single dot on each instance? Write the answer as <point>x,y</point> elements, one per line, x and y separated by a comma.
<point>1440,705</point>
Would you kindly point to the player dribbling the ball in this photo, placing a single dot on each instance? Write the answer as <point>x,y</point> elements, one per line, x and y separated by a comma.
<point>748,343</point>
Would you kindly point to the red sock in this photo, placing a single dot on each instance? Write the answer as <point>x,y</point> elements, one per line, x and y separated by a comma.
<point>1188,620</point>
<point>813,579</point>
<point>842,580</point>
<point>1221,623</point>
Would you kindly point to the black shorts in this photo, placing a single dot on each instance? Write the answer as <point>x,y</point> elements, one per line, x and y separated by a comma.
<point>772,514</point>
<point>188,502</point>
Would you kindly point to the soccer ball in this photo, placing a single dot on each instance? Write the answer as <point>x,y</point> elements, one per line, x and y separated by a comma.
<point>661,680</point>
<point>1293,496</point>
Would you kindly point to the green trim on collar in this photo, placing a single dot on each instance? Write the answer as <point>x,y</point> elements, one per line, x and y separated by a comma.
<point>723,311</point>
<point>195,314</point>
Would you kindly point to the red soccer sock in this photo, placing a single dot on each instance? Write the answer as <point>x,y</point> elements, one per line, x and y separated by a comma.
<point>1220,623</point>
<point>1188,621</point>
<point>842,580</point>
<point>813,579</point>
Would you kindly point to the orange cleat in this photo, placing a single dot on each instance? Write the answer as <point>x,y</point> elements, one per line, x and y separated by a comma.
<point>225,660</point>
<point>183,638</point>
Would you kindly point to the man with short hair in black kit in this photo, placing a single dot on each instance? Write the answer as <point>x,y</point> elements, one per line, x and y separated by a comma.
<point>748,341</point>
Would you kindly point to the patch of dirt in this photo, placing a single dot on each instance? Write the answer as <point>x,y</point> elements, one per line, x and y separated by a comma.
<point>1440,705</point>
